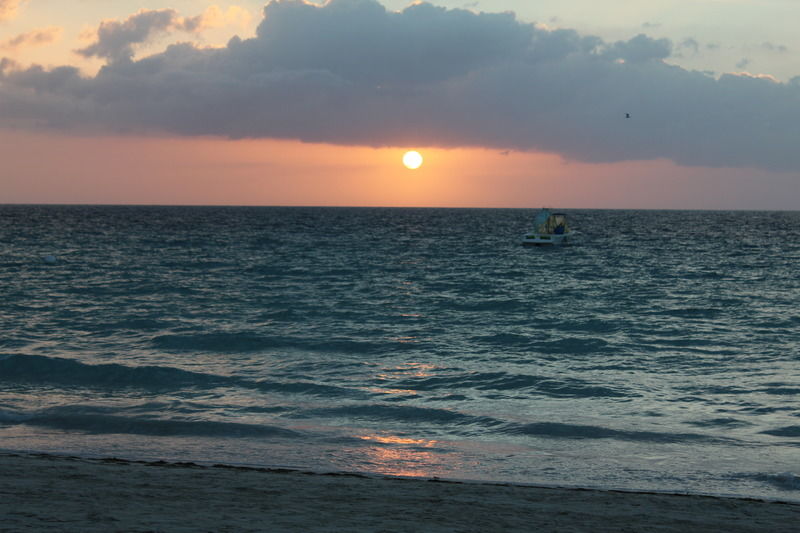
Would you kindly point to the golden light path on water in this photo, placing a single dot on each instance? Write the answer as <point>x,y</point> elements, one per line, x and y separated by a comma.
<point>407,459</point>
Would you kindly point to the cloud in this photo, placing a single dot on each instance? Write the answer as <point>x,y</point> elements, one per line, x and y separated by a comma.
<point>116,40</point>
<point>640,49</point>
<point>780,48</point>
<point>33,38</point>
<point>689,44</point>
<point>350,72</point>
<point>215,17</point>
<point>8,9</point>
<point>233,16</point>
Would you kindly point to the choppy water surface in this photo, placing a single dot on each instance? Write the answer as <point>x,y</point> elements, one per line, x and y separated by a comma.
<point>659,351</point>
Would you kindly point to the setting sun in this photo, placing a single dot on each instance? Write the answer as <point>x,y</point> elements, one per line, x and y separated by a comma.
<point>412,160</point>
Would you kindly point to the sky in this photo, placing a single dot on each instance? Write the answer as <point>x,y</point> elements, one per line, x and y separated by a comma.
<point>675,104</point>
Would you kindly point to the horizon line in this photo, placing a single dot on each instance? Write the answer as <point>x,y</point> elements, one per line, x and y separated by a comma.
<point>79,204</point>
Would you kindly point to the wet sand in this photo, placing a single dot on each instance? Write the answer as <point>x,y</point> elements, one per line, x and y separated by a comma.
<point>52,493</point>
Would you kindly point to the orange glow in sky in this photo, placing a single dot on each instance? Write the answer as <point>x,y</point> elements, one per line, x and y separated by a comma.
<point>43,168</point>
<point>52,159</point>
<point>48,156</point>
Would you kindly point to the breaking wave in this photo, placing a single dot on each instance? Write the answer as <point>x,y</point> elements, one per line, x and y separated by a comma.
<point>41,370</point>
<point>96,420</point>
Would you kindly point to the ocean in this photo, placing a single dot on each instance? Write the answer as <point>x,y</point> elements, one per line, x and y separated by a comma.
<point>659,351</point>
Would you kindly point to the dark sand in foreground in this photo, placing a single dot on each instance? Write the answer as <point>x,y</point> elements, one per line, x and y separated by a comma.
<point>49,493</point>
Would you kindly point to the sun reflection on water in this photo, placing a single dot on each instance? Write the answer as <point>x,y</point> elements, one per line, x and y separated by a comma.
<point>392,439</point>
<point>411,369</point>
<point>378,390</point>
<point>401,456</point>
<point>404,339</point>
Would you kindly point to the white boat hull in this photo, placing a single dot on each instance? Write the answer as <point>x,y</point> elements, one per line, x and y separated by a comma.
<point>545,239</point>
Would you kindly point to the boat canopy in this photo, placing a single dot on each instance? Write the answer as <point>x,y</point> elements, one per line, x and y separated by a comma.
<point>551,223</point>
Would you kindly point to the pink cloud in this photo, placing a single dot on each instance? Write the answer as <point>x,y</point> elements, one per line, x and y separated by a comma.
<point>38,37</point>
<point>8,9</point>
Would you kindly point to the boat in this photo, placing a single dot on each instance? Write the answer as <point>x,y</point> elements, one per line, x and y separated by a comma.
<point>548,228</point>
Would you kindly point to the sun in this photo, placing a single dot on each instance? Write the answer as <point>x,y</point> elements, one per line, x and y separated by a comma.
<point>412,160</point>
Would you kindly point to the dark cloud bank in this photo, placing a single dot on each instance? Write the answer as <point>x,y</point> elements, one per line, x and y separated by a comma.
<point>352,73</point>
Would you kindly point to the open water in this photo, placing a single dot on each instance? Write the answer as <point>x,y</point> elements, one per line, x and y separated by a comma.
<point>660,351</point>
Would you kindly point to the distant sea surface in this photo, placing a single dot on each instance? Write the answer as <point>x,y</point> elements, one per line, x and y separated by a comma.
<point>659,351</point>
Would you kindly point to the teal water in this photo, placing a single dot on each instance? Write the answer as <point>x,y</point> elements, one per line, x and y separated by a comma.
<point>659,351</point>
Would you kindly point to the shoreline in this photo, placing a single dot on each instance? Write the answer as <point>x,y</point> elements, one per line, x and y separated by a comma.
<point>67,493</point>
<point>287,469</point>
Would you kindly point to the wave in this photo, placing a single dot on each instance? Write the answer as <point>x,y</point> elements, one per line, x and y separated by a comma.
<point>126,324</point>
<point>402,413</point>
<point>13,343</point>
<point>350,346</point>
<point>493,305</point>
<point>781,389</point>
<point>94,419</point>
<point>505,340</point>
<point>574,431</point>
<point>301,387</point>
<point>244,342</point>
<point>689,312</point>
<point>720,422</point>
<point>42,370</point>
<point>603,326</point>
<point>100,420</point>
<point>783,481</point>
<point>787,431</point>
<point>574,346</point>
<point>8,417</point>
<point>502,381</point>
<point>218,342</point>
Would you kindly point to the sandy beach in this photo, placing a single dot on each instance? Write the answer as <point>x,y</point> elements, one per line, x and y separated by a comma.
<point>51,493</point>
